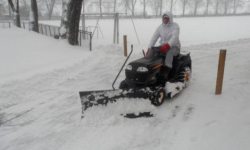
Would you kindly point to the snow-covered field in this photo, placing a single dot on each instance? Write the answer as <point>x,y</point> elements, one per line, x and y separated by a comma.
<point>193,31</point>
<point>40,78</point>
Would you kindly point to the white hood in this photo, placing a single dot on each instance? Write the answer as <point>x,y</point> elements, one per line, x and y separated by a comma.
<point>170,15</point>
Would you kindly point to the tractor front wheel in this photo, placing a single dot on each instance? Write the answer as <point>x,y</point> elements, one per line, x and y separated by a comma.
<point>159,98</point>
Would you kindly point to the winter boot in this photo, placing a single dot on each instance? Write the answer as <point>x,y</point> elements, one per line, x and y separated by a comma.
<point>166,71</point>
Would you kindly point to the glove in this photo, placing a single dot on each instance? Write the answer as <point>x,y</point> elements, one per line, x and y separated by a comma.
<point>164,48</point>
<point>147,52</point>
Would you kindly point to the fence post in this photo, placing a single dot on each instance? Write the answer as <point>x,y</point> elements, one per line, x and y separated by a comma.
<point>90,44</point>
<point>46,30</point>
<point>220,73</point>
<point>54,31</point>
<point>9,25</point>
<point>49,31</point>
<point>80,38</point>
<point>41,28</point>
<point>125,45</point>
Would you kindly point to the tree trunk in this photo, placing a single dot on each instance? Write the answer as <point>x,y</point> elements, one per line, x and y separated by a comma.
<point>100,5</point>
<point>114,6</point>
<point>207,5</point>
<point>16,12</point>
<point>160,8</point>
<point>144,8</point>
<point>225,7</point>
<point>83,6</point>
<point>234,7</point>
<point>34,16</point>
<point>195,7</point>
<point>183,7</point>
<point>133,8</point>
<point>74,15</point>
<point>63,33</point>
<point>171,5</point>
<point>216,7</point>
<point>18,22</point>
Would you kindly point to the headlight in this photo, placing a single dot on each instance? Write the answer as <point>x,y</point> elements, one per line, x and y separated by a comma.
<point>129,67</point>
<point>142,69</point>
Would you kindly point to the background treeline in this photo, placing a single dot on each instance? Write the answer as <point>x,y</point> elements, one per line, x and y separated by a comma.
<point>52,9</point>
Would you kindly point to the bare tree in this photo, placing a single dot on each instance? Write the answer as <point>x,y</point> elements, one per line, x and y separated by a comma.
<point>74,15</point>
<point>184,5</point>
<point>49,5</point>
<point>155,5</point>
<point>34,16</point>
<point>123,4</point>
<point>108,5</point>
<point>171,4</point>
<point>24,8</point>
<point>226,6</point>
<point>161,7</point>
<point>144,3</point>
<point>218,4</point>
<point>16,12</point>
<point>115,2</point>
<point>100,5</point>
<point>197,4</point>
<point>130,4</point>
<point>236,5</point>
<point>70,20</point>
<point>208,3</point>
<point>64,20</point>
<point>84,3</point>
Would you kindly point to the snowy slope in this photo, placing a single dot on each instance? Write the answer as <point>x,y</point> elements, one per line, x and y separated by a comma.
<point>25,53</point>
<point>42,111</point>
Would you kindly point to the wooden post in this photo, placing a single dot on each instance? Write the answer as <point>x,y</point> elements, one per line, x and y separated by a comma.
<point>220,74</point>
<point>9,25</point>
<point>125,45</point>
<point>23,25</point>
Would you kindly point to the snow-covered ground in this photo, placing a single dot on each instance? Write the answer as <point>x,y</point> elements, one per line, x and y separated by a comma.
<point>40,107</point>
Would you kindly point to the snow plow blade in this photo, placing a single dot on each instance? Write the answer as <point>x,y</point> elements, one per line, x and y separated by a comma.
<point>95,98</point>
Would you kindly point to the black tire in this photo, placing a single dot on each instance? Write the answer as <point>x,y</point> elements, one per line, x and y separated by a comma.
<point>159,97</point>
<point>123,85</point>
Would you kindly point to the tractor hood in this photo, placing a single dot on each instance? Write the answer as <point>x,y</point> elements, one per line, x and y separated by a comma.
<point>145,62</point>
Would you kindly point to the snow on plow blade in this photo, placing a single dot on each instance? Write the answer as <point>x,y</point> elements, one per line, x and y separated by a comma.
<point>95,98</point>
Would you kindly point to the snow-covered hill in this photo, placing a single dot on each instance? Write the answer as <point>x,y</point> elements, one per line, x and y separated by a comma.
<point>42,110</point>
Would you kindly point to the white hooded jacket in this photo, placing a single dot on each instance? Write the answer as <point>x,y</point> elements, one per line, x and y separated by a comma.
<point>169,33</point>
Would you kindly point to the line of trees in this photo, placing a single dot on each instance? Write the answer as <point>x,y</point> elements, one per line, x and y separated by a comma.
<point>14,6</point>
<point>71,12</point>
<point>186,7</point>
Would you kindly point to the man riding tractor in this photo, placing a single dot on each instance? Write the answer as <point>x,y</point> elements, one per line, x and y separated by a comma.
<point>169,32</point>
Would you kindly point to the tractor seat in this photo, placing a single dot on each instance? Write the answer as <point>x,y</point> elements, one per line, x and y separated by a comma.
<point>183,54</point>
